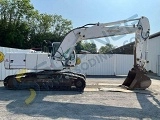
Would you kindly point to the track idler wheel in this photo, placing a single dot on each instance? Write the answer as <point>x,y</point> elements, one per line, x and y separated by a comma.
<point>136,79</point>
<point>8,82</point>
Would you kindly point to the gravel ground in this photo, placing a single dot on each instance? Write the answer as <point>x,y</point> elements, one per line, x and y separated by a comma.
<point>92,105</point>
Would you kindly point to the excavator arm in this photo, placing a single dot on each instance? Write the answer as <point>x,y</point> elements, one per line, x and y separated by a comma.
<point>100,30</point>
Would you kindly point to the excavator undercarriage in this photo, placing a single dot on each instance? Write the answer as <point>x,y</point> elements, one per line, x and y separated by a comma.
<point>46,80</point>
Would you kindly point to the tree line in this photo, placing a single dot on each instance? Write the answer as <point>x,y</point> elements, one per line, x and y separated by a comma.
<point>21,26</point>
<point>92,48</point>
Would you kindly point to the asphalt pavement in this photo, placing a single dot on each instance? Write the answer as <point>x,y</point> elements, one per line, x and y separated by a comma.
<point>102,99</point>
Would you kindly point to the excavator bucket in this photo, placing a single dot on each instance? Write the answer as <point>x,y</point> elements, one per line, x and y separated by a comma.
<point>136,79</point>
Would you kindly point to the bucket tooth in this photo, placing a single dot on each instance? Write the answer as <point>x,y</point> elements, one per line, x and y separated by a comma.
<point>136,79</point>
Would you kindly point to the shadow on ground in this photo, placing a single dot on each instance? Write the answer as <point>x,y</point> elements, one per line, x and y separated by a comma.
<point>71,110</point>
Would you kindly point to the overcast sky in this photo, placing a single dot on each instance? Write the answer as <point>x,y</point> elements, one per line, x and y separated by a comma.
<point>82,12</point>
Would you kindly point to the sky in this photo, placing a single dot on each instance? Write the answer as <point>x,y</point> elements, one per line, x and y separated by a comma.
<point>82,12</point>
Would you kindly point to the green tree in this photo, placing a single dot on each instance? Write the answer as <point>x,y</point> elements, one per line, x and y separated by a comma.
<point>60,26</point>
<point>105,49</point>
<point>91,47</point>
<point>21,26</point>
<point>49,27</point>
<point>79,47</point>
<point>13,28</point>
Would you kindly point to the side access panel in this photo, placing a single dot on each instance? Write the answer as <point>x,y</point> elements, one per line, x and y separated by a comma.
<point>38,61</point>
<point>31,61</point>
<point>17,60</point>
<point>43,61</point>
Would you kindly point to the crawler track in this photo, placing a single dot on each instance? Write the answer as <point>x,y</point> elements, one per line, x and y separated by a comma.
<point>46,80</point>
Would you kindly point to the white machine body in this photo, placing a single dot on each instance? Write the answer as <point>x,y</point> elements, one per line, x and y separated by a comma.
<point>31,61</point>
<point>64,56</point>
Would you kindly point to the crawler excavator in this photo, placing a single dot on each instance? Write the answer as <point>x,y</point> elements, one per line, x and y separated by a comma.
<point>53,67</point>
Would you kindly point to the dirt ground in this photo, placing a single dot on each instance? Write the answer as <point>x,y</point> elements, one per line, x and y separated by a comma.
<point>102,99</point>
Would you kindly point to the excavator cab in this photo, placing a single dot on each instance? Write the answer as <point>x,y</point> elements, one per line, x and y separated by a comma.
<point>49,47</point>
<point>54,48</point>
<point>71,61</point>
